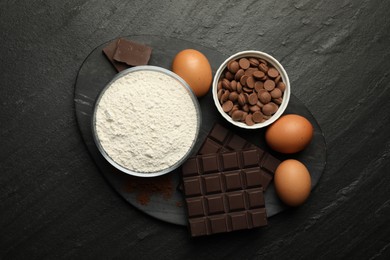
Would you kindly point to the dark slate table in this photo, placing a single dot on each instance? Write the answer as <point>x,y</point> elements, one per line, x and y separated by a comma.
<point>55,203</point>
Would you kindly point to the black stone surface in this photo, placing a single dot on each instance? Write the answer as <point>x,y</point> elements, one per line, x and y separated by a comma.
<point>55,204</point>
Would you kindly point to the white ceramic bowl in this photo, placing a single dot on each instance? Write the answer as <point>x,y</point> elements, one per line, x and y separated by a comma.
<point>274,63</point>
<point>180,161</point>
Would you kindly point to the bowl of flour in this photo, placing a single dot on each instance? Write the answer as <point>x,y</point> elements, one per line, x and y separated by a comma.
<point>146,121</point>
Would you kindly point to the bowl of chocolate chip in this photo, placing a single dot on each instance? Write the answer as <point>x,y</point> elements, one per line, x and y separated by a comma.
<point>251,89</point>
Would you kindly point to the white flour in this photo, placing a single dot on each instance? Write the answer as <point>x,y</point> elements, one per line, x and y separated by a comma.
<point>146,121</point>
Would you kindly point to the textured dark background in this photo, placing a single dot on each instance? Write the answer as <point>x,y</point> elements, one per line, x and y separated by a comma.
<point>55,203</point>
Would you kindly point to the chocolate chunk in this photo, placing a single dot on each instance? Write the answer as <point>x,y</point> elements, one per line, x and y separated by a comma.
<point>132,53</point>
<point>109,52</point>
<point>226,194</point>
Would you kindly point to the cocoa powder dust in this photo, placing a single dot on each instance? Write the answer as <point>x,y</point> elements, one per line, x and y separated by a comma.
<point>146,187</point>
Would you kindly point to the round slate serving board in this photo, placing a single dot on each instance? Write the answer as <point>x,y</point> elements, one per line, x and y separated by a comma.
<point>167,204</point>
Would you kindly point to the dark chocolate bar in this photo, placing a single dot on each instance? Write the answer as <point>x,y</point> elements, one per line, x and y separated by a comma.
<point>224,191</point>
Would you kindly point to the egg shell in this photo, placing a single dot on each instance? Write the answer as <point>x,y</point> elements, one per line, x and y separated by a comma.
<point>195,69</point>
<point>289,134</point>
<point>292,182</point>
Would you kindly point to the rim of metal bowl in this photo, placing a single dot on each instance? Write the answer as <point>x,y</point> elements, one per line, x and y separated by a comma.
<point>198,125</point>
<point>283,74</point>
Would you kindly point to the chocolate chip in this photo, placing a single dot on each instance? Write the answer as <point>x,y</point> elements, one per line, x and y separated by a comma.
<point>219,94</point>
<point>244,63</point>
<point>276,93</point>
<point>252,99</point>
<point>258,74</point>
<point>241,99</point>
<point>277,79</point>
<point>243,80</point>
<point>239,74</point>
<point>277,101</point>
<point>259,85</point>
<point>247,90</point>
<point>273,73</point>
<point>254,108</point>
<point>244,114</point>
<point>254,62</point>
<point>226,84</point>
<point>269,84</point>
<point>265,97</point>
<point>248,120</point>
<point>235,107</point>
<point>274,107</point>
<point>263,61</point>
<point>225,96</point>
<point>233,96</point>
<point>250,82</point>
<point>259,104</point>
<point>233,85</point>
<point>282,86</point>
<point>219,85</point>
<point>267,109</point>
<point>249,72</point>
<point>234,67</point>
<point>229,75</point>
<point>237,115</point>
<point>261,91</point>
<point>263,67</point>
<point>227,106</point>
<point>239,87</point>
<point>257,117</point>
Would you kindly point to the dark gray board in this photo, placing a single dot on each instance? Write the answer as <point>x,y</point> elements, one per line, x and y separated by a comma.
<point>96,71</point>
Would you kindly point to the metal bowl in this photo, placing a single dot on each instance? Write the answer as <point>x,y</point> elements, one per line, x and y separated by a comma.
<point>178,163</point>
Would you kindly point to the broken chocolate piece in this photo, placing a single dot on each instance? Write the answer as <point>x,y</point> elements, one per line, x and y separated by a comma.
<point>109,51</point>
<point>132,53</point>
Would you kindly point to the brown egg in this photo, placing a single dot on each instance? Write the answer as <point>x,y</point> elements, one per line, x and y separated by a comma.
<point>195,69</point>
<point>289,134</point>
<point>292,182</point>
